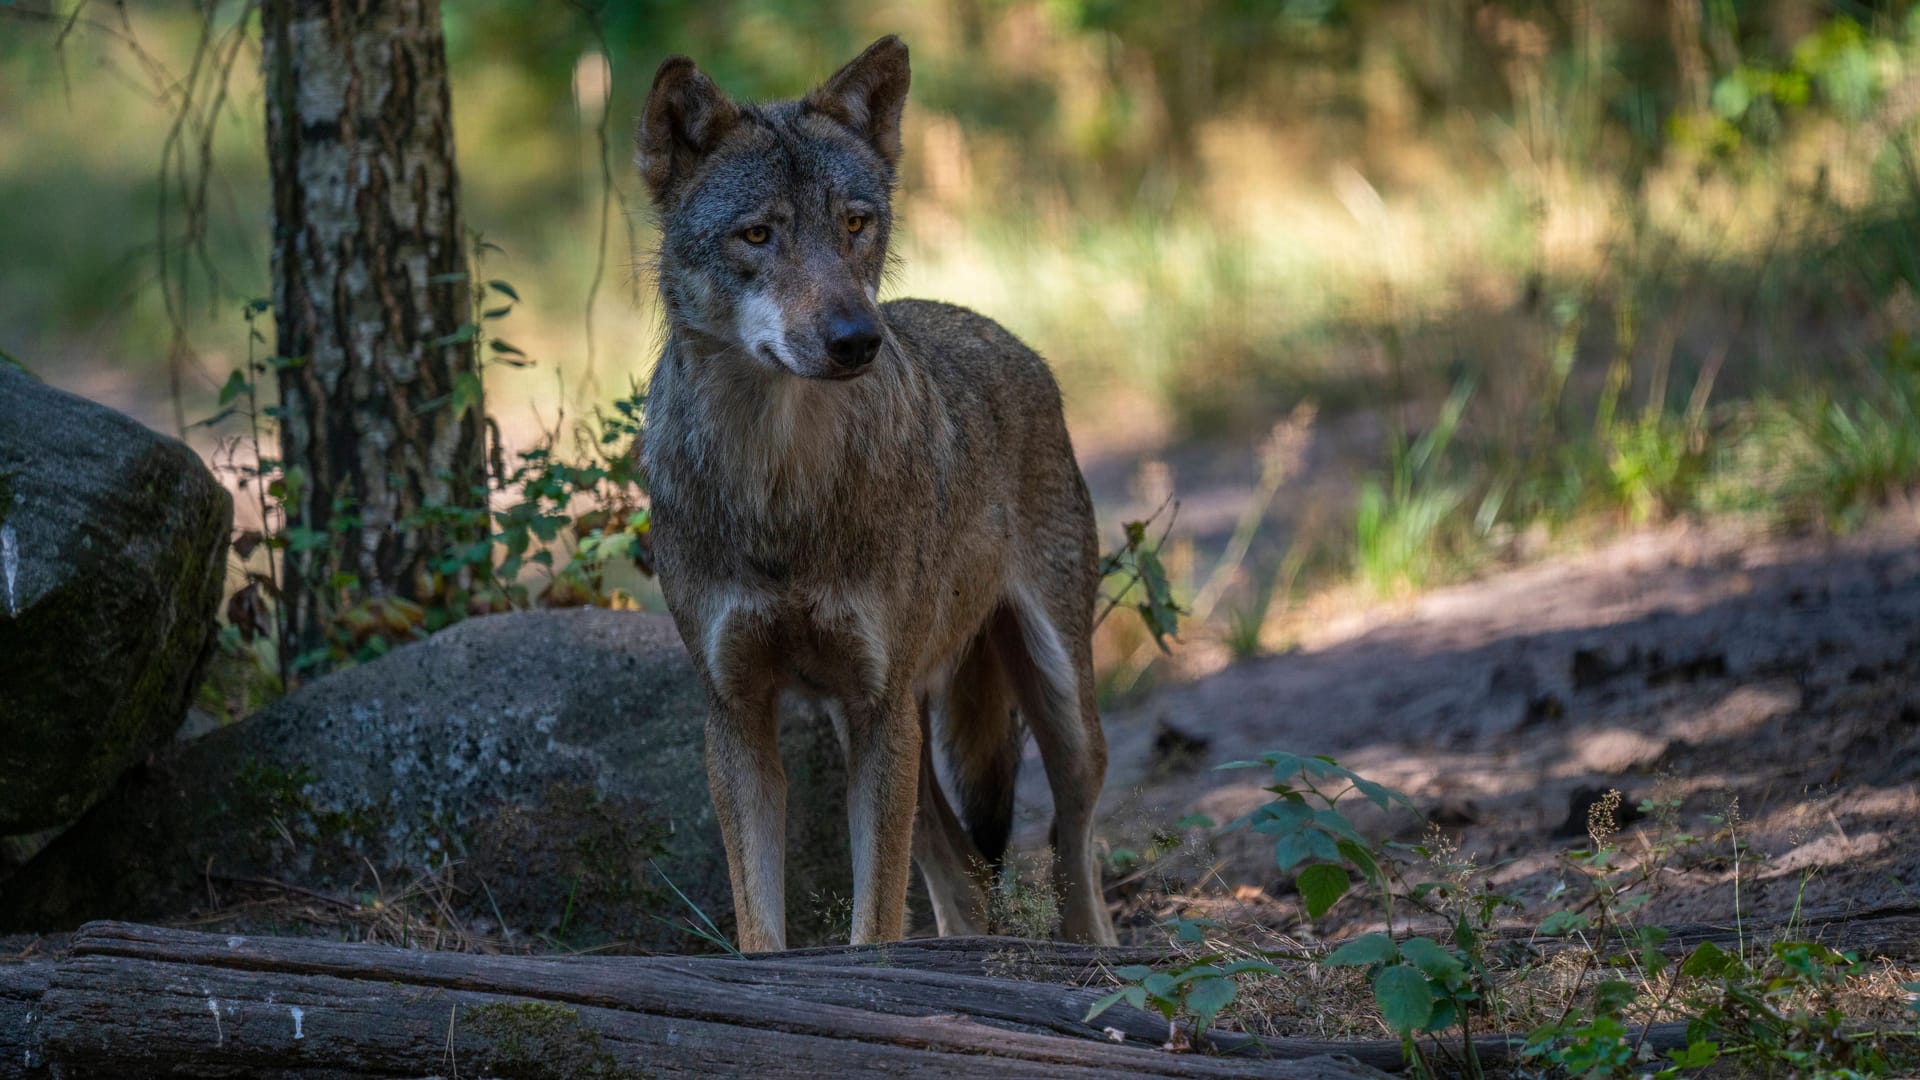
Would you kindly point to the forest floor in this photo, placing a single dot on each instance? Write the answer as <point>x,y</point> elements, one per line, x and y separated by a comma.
<point>1767,684</point>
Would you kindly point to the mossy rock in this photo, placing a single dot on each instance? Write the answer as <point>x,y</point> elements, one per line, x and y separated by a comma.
<point>555,758</point>
<point>113,544</point>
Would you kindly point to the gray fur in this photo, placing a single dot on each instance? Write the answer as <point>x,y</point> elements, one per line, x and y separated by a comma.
<point>911,540</point>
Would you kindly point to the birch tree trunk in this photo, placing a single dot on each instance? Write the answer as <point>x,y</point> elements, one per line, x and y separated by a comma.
<point>381,414</point>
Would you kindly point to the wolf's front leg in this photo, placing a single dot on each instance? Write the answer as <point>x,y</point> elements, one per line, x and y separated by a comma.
<point>883,782</point>
<point>750,797</point>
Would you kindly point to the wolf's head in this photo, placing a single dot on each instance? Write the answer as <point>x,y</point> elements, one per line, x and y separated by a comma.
<point>774,218</point>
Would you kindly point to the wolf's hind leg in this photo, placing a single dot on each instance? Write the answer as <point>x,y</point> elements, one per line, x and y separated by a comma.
<point>948,861</point>
<point>971,730</point>
<point>1053,676</point>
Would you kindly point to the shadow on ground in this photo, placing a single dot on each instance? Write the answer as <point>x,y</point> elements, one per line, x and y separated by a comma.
<point>1697,664</point>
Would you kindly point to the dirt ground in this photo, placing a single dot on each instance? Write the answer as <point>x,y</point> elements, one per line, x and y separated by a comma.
<point>1776,678</point>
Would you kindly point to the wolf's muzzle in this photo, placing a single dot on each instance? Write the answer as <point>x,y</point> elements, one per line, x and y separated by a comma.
<point>852,343</point>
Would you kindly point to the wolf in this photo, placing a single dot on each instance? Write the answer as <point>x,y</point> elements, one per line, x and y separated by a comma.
<point>876,505</point>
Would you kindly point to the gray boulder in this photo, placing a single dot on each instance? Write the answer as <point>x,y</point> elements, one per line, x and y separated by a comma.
<point>553,758</point>
<point>113,545</point>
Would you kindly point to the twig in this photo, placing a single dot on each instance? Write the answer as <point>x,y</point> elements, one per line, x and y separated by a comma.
<point>286,887</point>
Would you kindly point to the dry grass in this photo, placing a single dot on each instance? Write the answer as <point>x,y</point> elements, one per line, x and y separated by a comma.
<point>422,913</point>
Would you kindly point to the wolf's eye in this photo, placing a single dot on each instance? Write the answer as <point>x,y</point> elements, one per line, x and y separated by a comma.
<point>757,234</point>
<point>856,222</point>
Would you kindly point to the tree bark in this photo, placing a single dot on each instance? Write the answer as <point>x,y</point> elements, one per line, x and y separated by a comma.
<point>380,414</point>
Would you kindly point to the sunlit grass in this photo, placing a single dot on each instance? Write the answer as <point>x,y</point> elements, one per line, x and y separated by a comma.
<point>1370,270</point>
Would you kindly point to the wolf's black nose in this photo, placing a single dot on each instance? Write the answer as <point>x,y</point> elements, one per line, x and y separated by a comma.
<point>853,341</point>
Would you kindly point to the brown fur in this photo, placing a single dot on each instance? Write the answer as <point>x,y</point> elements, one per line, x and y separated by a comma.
<point>915,545</point>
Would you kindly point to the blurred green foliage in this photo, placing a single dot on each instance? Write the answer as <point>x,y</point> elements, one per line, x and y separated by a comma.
<point>1674,245</point>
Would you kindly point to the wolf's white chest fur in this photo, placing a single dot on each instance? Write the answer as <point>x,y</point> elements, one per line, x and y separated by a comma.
<point>736,617</point>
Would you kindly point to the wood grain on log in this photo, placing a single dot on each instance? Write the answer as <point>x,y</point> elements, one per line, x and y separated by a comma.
<point>21,987</point>
<point>140,1001</point>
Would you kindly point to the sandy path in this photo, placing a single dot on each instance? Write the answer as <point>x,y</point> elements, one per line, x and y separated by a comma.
<point>1697,659</point>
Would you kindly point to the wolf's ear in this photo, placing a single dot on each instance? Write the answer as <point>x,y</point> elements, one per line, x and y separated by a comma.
<point>868,94</point>
<point>685,118</point>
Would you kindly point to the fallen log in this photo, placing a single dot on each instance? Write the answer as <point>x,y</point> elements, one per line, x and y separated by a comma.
<point>138,1001</point>
<point>21,987</point>
<point>133,1001</point>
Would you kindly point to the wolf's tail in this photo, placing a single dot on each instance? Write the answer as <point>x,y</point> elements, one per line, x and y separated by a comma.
<point>980,744</point>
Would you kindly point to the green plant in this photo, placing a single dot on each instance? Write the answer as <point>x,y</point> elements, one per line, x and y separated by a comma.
<point>696,923</point>
<point>1022,900</point>
<point>1312,839</point>
<point>1654,464</point>
<point>1419,986</point>
<point>1198,989</point>
<point>1863,452</point>
<point>570,516</point>
<point>1136,562</point>
<point>1401,529</point>
<point>1780,1009</point>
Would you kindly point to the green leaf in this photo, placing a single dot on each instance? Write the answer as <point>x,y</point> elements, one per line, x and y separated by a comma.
<point>1707,960</point>
<point>465,333</point>
<point>1284,765</point>
<point>1383,797</point>
<point>1697,1055</point>
<point>1651,958</point>
<point>1106,1003</point>
<point>1361,859</point>
<point>1445,1015</point>
<point>1365,950</point>
<point>1282,817</point>
<point>235,385</point>
<point>1133,972</point>
<point>1264,967</point>
<point>1321,887</point>
<point>447,279</point>
<point>1302,845</point>
<point>1336,823</point>
<point>1612,996</point>
<point>504,289</point>
<point>498,312</point>
<point>1320,766</point>
<point>1431,957</point>
<point>1198,971</point>
<point>1291,851</point>
<point>1207,996</point>
<point>502,347</point>
<point>1404,1000</point>
<point>466,394</point>
<point>1321,846</point>
<point>1564,922</point>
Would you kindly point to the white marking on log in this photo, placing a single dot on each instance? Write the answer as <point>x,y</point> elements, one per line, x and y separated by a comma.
<point>297,1014</point>
<point>219,1036</point>
<point>10,565</point>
